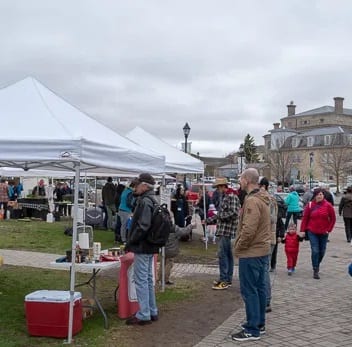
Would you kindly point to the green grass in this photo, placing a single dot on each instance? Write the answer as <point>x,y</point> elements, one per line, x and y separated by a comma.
<point>43,237</point>
<point>16,282</point>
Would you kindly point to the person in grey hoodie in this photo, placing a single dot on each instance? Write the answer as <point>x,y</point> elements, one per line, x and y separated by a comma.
<point>172,250</point>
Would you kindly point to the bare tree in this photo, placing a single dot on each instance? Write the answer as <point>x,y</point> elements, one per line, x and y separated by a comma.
<point>336,160</point>
<point>281,164</point>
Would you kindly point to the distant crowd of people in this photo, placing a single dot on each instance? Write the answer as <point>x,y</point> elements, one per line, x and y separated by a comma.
<point>248,224</point>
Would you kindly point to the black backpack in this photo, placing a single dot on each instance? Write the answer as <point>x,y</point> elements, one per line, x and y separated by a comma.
<point>161,225</point>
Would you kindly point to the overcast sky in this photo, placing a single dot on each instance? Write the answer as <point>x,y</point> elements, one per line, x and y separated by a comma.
<point>228,68</point>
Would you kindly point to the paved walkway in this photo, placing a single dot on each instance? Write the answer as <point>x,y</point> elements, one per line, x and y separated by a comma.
<point>306,312</point>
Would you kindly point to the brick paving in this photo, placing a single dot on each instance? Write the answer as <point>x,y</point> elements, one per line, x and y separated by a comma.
<point>306,312</point>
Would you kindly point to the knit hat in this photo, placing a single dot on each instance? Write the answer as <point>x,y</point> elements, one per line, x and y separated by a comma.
<point>146,178</point>
<point>212,207</point>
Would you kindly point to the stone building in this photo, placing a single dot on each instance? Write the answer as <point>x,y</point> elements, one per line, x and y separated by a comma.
<point>311,145</point>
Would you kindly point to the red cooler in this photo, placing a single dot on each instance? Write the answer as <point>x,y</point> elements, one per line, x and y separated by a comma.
<point>47,313</point>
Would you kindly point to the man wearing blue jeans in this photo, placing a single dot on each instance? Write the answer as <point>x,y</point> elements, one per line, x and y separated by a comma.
<point>226,222</point>
<point>252,247</point>
<point>143,251</point>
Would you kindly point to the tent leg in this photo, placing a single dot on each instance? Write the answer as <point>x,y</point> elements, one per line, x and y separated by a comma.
<point>73,257</point>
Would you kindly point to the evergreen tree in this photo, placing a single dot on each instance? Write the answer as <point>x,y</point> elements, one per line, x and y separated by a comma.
<point>250,150</point>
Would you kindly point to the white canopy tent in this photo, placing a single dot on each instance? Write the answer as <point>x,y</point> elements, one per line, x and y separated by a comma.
<point>41,130</point>
<point>175,161</point>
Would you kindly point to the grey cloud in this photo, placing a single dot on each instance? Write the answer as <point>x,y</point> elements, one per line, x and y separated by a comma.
<point>228,67</point>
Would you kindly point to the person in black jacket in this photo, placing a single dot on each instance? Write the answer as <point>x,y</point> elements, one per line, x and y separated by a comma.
<point>143,251</point>
<point>180,208</point>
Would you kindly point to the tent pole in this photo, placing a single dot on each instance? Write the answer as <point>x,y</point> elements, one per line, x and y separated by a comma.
<point>73,254</point>
<point>163,185</point>
<point>205,216</point>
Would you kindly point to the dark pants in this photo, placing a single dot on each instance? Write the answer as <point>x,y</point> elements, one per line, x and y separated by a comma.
<point>288,217</point>
<point>318,248</point>
<point>273,259</point>
<point>252,272</point>
<point>118,229</point>
<point>348,228</point>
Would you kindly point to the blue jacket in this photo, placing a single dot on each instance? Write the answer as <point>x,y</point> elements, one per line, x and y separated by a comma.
<point>292,202</point>
<point>124,206</point>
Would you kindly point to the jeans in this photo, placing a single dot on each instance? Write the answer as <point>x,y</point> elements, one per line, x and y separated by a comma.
<point>288,217</point>
<point>252,272</point>
<point>225,259</point>
<point>143,277</point>
<point>124,215</point>
<point>318,248</point>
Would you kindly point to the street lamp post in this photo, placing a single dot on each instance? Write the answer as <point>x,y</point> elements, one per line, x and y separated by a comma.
<point>186,131</point>
<point>241,154</point>
<point>311,156</point>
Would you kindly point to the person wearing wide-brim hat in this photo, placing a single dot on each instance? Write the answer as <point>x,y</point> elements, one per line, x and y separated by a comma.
<point>226,223</point>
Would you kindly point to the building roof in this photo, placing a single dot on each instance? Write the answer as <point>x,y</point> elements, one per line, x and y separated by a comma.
<point>324,131</point>
<point>322,110</point>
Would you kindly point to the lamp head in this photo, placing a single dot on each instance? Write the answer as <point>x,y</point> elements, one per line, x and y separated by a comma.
<point>186,130</point>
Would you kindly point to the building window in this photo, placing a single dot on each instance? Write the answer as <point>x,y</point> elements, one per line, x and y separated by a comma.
<point>295,142</point>
<point>327,140</point>
<point>321,120</point>
<point>327,158</point>
<point>305,122</point>
<point>310,141</point>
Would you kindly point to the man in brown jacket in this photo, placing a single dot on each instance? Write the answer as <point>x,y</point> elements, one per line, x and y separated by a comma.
<point>252,247</point>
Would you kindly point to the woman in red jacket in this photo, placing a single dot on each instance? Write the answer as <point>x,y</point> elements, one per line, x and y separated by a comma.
<point>318,221</point>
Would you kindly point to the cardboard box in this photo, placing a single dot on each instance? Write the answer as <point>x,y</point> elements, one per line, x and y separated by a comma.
<point>47,313</point>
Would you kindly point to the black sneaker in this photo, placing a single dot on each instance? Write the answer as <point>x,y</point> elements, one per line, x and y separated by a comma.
<point>243,336</point>
<point>135,321</point>
<point>262,330</point>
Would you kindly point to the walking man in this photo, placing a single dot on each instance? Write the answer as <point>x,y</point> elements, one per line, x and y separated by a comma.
<point>252,247</point>
<point>143,251</point>
<point>226,223</point>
